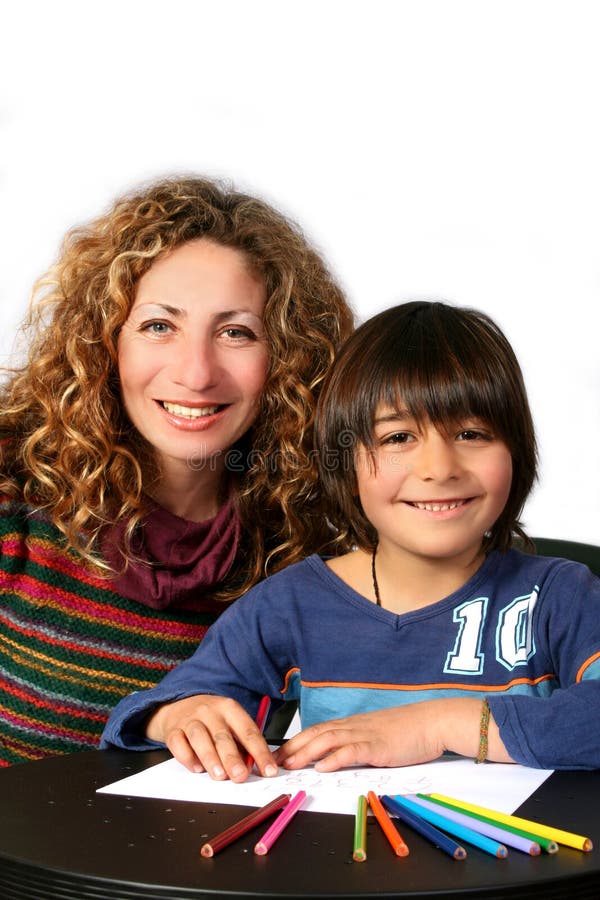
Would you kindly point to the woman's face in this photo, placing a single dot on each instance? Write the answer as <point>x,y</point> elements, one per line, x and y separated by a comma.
<point>193,356</point>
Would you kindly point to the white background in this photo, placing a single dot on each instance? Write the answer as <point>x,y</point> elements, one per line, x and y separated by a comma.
<point>435,148</point>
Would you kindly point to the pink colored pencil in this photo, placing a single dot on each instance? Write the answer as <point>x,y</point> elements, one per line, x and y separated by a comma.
<point>240,828</point>
<point>281,822</point>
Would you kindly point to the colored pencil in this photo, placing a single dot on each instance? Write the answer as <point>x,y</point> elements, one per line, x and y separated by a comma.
<point>502,835</point>
<point>578,841</point>
<point>462,832</point>
<point>545,843</point>
<point>359,852</point>
<point>240,828</point>
<point>432,834</point>
<point>261,721</point>
<point>387,826</point>
<point>282,821</point>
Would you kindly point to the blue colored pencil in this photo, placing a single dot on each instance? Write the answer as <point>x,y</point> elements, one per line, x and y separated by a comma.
<point>503,835</point>
<point>462,832</point>
<point>432,834</point>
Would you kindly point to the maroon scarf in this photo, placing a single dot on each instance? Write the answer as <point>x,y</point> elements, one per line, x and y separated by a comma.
<point>175,562</point>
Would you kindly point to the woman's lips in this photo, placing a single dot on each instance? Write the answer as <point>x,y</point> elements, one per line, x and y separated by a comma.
<point>192,418</point>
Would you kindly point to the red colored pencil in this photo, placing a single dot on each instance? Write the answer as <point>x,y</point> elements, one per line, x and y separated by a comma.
<point>240,828</point>
<point>261,721</point>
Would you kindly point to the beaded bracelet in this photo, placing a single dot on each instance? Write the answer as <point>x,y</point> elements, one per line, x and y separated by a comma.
<point>484,724</point>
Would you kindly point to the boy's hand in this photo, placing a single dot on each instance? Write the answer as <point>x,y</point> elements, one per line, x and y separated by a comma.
<point>399,736</point>
<point>387,737</point>
<point>211,734</point>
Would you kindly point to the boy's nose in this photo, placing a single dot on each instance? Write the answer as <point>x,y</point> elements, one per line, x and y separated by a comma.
<point>438,460</point>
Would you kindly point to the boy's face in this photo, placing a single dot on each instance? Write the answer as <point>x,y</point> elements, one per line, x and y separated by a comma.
<point>429,493</point>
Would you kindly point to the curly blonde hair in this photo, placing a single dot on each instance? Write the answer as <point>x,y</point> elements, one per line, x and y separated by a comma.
<point>67,445</point>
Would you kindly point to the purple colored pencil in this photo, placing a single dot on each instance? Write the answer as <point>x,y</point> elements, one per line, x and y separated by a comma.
<point>457,831</point>
<point>492,831</point>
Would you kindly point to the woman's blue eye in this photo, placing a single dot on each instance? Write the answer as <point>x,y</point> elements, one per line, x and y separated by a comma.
<point>157,327</point>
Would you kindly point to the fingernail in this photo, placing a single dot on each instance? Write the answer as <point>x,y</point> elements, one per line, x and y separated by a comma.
<point>218,772</point>
<point>238,770</point>
<point>271,770</point>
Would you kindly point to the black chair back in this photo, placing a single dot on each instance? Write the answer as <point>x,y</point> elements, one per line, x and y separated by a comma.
<point>588,554</point>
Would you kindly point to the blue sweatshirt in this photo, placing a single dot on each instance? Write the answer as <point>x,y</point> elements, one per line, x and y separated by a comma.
<point>524,632</point>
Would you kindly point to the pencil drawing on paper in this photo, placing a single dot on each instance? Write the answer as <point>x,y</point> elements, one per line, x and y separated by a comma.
<point>354,781</point>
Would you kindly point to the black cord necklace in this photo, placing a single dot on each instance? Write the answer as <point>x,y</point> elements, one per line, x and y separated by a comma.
<point>374,573</point>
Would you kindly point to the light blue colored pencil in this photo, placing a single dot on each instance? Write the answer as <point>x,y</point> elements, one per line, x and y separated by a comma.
<point>503,835</point>
<point>460,831</point>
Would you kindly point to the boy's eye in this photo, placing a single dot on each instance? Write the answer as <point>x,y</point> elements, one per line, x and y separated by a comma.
<point>399,437</point>
<point>472,434</point>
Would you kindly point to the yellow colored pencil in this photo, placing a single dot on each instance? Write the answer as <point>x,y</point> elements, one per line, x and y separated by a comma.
<point>547,831</point>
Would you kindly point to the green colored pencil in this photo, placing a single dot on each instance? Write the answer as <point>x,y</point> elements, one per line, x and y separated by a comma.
<point>545,843</point>
<point>359,853</point>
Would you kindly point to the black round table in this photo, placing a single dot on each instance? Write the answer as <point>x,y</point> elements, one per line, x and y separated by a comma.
<point>59,839</point>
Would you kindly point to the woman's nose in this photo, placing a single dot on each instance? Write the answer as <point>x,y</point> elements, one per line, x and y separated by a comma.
<point>195,365</point>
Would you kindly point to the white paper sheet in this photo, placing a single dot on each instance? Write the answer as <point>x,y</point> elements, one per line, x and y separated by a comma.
<point>498,786</point>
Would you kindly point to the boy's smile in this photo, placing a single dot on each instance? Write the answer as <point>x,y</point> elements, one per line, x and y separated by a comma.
<point>432,494</point>
<point>437,505</point>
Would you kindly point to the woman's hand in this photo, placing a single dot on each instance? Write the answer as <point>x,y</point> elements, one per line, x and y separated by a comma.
<point>211,734</point>
<point>399,736</point>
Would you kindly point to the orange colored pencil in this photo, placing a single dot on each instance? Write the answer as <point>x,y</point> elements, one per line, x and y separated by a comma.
<point>387,826</point>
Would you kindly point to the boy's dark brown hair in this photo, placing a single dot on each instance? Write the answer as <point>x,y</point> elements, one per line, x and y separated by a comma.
<point>441,363</point>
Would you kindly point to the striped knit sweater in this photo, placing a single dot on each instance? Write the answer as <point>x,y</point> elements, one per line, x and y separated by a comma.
<point>70,646</point>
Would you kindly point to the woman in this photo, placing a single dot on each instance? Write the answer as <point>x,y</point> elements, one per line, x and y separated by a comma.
<point>155,448</point>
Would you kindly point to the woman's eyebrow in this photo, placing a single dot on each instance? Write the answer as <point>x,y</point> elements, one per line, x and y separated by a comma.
<point>165,307</point>
<point>221,316</point>
<point>228,313</point>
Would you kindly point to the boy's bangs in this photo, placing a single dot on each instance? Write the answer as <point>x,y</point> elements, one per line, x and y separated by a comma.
<point>441,387</point>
